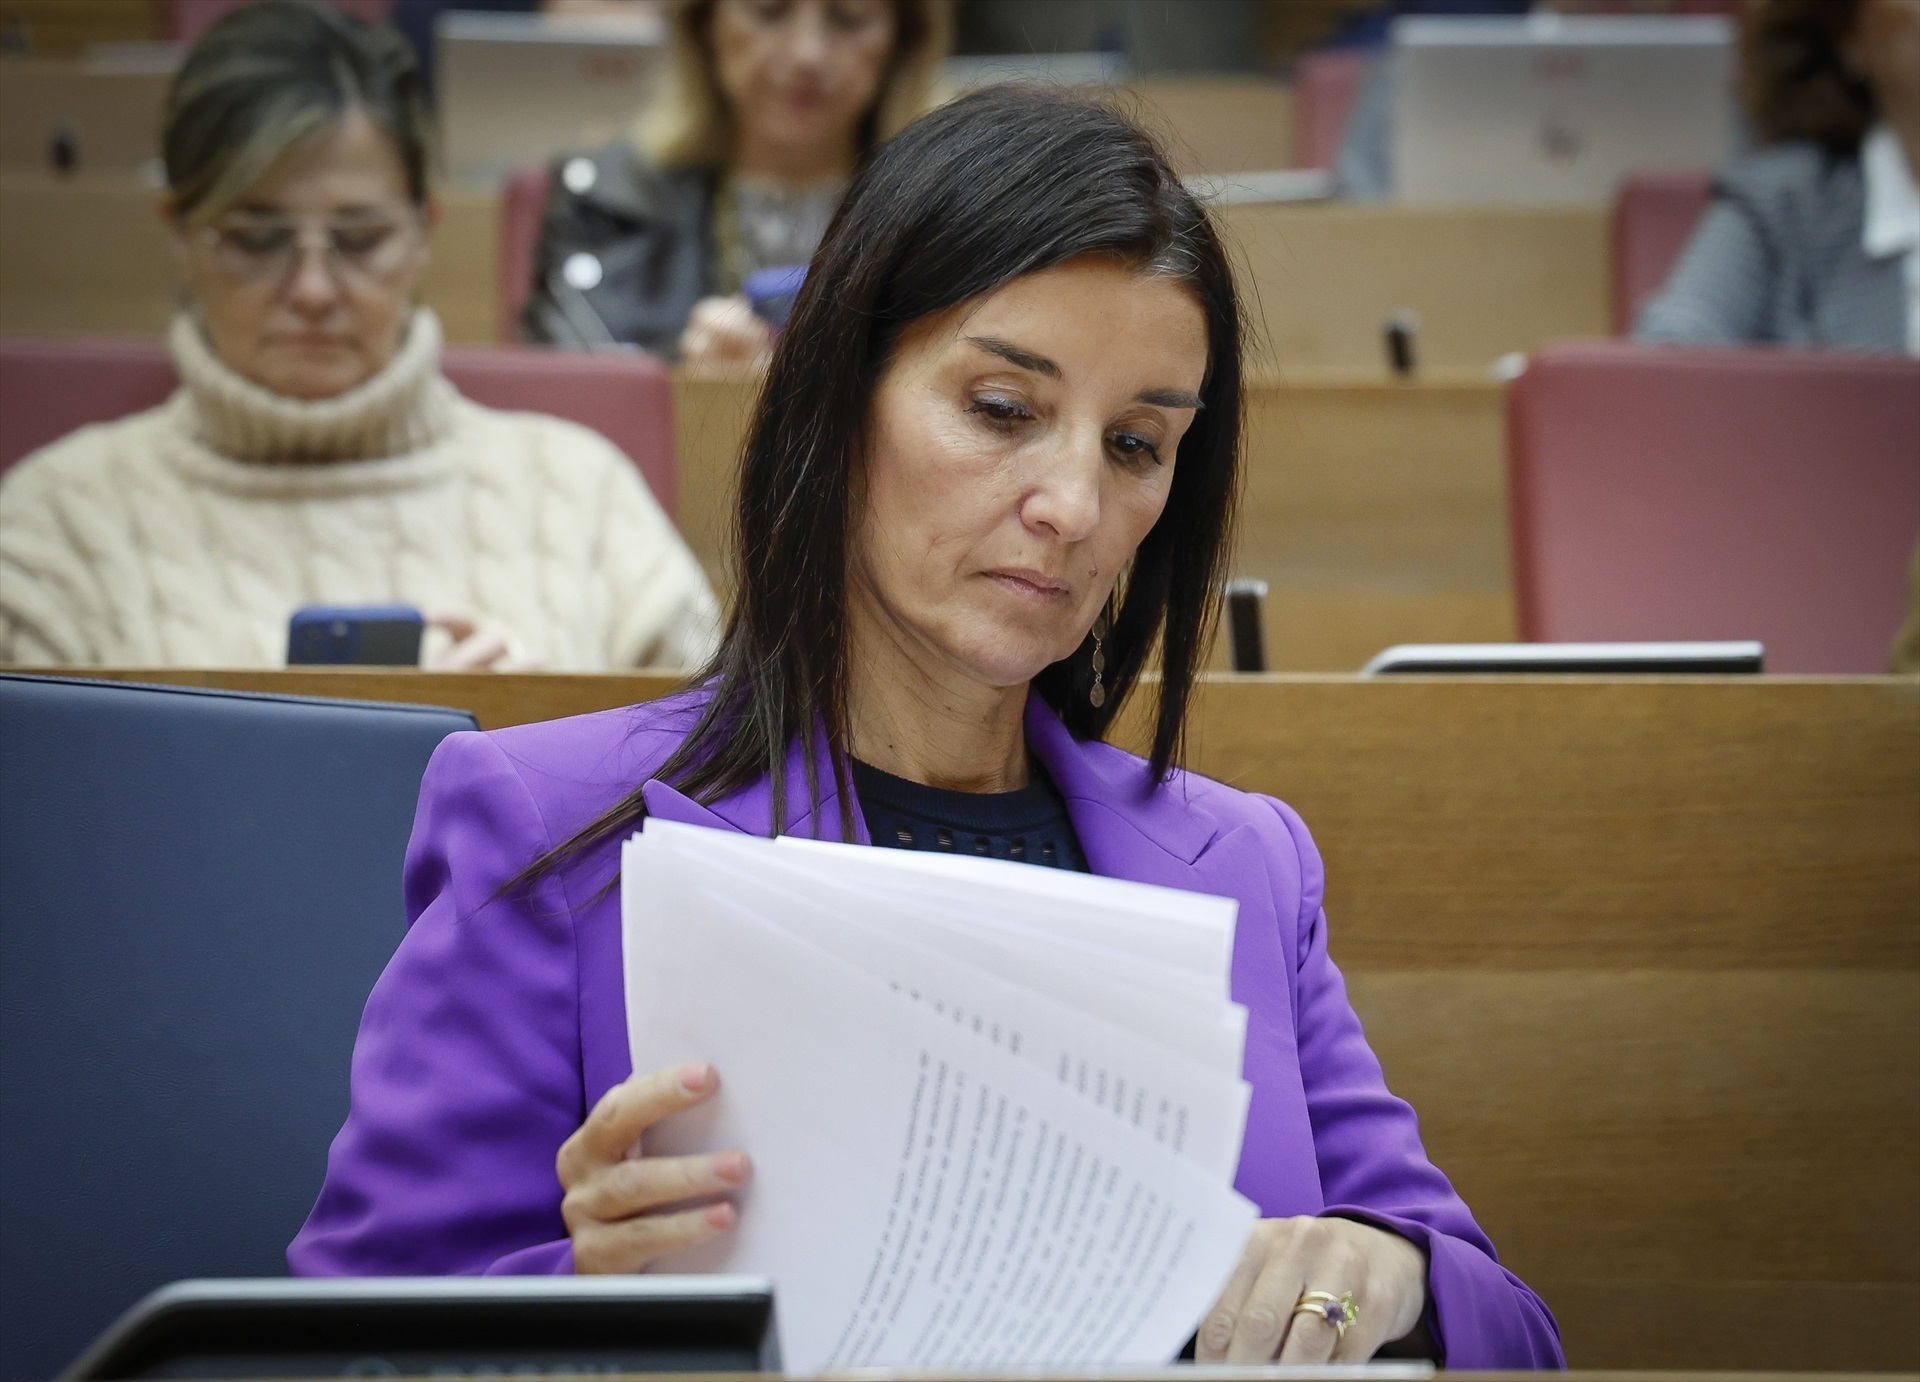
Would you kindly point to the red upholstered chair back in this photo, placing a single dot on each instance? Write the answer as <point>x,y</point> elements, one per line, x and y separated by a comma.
<point>49,385</point>
<point>1323,88</point>
<point>522,200</point>
<point>1653,217</point>
<point>1668,493</point>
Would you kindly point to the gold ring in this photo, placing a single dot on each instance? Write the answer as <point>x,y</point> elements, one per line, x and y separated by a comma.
<point>1338,1311</point>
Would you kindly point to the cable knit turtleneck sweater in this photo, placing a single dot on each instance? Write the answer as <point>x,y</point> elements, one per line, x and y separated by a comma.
<point>187,535</point>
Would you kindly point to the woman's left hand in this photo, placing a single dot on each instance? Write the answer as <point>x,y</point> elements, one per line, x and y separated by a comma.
<point>725,335</point>
<point>472,644</point>
<point>1254,1319</point>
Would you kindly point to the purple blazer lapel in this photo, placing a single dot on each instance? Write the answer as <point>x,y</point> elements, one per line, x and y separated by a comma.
<point>749,811</point>
<point>1129,827</point>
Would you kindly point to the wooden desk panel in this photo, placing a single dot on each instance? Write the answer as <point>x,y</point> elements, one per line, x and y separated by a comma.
<point>90,253</point>
<point>114,117</point>
<point>1216,124</point>
<point>1352,484</point>
<point>83,254</point>
<point>1499,824</point>
<point>710,421</point>
<point>1319,280</point>
<point>463,282</point>
<point>65,29</point>
<point>1514,823</point>
<point>1327,629</point>
<point>1753,1324</point>
<point>1643,952</point>
<point>1637,1140</point>
<point>1376,513</point>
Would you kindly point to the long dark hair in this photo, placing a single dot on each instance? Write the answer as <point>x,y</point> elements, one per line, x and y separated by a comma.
<point>1797,83</point>
<point>998,184</point>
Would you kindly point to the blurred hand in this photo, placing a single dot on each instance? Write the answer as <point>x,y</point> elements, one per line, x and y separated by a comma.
<point>725,335</point>
<point>1253,1321</point>
<point>619,1206</point>
<point>475,645</point>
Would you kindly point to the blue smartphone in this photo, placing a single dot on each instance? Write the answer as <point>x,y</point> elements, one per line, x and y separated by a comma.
<point>772,291</point>
<point>362,635</point>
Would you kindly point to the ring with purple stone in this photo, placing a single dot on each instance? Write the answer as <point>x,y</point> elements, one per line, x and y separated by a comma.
<point>1338,1311</point>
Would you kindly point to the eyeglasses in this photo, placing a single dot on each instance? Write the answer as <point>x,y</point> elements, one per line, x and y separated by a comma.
<point>368,249</point>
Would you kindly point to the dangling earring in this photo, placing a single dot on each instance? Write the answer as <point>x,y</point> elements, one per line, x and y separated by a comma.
<point>1097,696</point>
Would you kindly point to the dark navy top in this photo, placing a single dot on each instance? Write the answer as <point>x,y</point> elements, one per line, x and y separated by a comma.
<point>1029,826</point>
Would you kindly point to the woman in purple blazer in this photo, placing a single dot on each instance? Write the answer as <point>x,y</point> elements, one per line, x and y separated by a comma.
<point>991,476</point>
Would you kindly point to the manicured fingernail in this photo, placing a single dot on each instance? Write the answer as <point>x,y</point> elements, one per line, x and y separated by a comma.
<point>731,1166</point>
<point>694,1078</point>
<point>720,1215</point>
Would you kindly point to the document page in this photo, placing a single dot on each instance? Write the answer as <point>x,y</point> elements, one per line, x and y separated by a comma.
<point>1078,959</point>
<point>1180,1102</point>
<point>1192,932</point>
<point>925,1195</point>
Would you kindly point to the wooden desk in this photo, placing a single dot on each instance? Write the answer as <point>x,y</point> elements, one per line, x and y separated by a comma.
<point>90,253</point>
<point>1216,124</point>
<point>1375,512</point>
<point>710,422</point>
<point>1318,281</point>
<point>67,28</point>
<point>1647,958</point>
<point>1644,952</point>
<point>114,117</point>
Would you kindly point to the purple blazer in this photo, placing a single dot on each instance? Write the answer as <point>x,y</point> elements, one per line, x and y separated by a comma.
<point>501,1020</point>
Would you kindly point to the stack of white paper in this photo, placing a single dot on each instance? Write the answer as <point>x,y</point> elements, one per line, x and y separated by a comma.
<point>994,1109</point>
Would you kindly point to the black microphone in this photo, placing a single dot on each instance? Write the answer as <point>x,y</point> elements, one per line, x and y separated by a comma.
<point>1247,649</point>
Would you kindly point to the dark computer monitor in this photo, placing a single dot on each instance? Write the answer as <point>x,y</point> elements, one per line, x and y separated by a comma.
<point>441,1326</point>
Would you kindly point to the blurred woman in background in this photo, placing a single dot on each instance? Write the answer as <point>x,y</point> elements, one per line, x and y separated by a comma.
<point>767,110</point>
<point>1814,239</point>
<point>314,453</point>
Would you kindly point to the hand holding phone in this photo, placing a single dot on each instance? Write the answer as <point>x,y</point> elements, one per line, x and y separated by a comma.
<point>398,636</point>
<point>476,645</point>
<point>725,334</point>
<point>772,292</point>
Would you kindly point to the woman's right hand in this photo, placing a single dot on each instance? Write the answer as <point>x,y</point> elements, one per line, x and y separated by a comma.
<point>619,1206</point>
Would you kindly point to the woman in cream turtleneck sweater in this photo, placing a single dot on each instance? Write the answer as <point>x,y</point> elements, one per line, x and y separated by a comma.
<point>314,453</point>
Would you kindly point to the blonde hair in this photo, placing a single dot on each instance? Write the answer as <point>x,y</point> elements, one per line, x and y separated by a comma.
<point>270,77</point>
<point>687,124</point>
